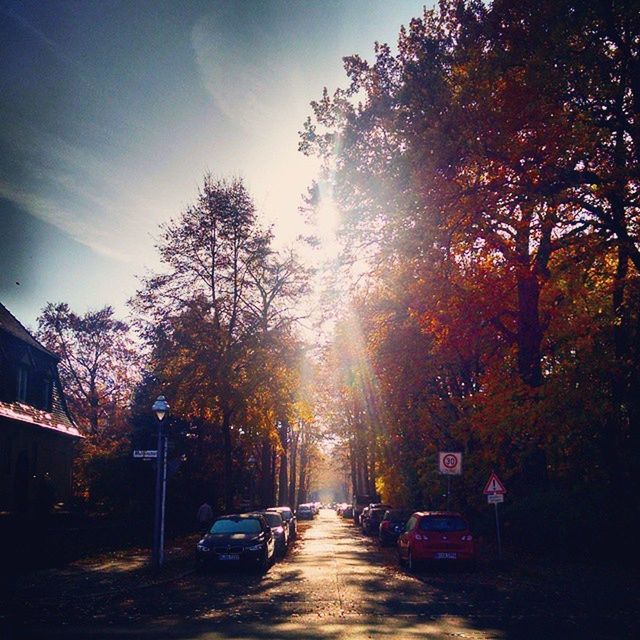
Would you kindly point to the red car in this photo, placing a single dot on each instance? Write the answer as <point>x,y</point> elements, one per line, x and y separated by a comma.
<point>436,536</point>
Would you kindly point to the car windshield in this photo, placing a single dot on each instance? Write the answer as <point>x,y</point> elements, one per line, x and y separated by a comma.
<point>244,525</point>
<point>398,515</point>
<point>285,513</point>
<point>443,523</point>
<point>377,514</point>
<point>274,519</point>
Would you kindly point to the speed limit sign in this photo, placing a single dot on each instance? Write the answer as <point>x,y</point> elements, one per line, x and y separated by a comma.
<point>450,463</point>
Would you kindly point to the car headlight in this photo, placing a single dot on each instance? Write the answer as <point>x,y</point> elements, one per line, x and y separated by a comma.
<point>202,547</point>
<point>256,547</point>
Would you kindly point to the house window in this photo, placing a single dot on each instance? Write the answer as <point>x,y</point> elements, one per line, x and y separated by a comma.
<point>23,376</point>
<point>47,388</point>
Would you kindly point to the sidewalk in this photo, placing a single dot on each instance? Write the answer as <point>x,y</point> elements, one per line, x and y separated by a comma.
<point>101,576</point>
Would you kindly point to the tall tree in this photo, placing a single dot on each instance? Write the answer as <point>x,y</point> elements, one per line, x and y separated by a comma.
<point>98,367</point>
<point>217,315</point>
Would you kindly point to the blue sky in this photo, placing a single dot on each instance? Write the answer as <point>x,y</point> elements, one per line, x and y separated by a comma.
<point>111,112</point>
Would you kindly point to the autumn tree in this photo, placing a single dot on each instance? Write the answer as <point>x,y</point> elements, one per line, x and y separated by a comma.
<point>488,172</point>
<point>214,317</point>
<point>98,366</point>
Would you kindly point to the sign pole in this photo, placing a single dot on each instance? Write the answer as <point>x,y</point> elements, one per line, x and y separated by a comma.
<point>448,493</point>
<point>495,490</point>
<point>495,506</point>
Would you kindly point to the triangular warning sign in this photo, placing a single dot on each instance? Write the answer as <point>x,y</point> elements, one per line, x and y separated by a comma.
<point>494,485</point>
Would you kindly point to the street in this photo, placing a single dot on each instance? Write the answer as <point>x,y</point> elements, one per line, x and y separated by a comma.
<point>334,584</point>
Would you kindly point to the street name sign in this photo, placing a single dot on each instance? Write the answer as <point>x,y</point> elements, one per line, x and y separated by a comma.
<point>450,463</point>
<point>145,453</point>
<point>494,485</point>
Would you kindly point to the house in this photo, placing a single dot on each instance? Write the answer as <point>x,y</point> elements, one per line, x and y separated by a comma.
<point>37,433</point>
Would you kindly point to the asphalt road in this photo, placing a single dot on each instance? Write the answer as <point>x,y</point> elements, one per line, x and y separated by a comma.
<point>334,584</point>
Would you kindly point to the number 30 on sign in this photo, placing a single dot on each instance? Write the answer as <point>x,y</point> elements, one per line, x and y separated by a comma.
<point>450,462</point>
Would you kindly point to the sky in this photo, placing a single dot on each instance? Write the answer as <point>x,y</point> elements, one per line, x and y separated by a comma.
<point>111,112</point>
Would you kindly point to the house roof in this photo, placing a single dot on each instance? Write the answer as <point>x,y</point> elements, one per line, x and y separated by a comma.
<point>10,324</point>
<point>57,420</point>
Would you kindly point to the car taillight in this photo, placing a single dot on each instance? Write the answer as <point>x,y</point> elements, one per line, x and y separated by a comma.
<point>468,538</point>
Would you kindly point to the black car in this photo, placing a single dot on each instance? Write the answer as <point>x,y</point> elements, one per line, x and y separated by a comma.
<point>366,514</point>
<point>305,512</point>
<point>279,529</point>
<point>374,518</point>
<point>289,517</point>
<point>237,539</point>
<point>392,526</point>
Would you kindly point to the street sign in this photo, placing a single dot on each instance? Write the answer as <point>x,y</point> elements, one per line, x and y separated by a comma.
<point>495,490</point>
<point>450,463</point>
<point>145,453</point>
<point>494,485</point>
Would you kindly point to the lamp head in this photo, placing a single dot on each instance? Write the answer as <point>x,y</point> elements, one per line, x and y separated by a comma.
<point>160,408</point>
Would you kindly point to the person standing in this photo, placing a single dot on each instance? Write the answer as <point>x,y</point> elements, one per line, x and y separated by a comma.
<point>204,516</point>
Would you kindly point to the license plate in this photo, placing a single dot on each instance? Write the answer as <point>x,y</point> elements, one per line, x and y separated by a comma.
<point>446,556</point>
<point>229,556</point>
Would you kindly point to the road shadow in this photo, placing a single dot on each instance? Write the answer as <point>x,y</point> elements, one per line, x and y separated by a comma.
<point>502,601</point>
<point>360,592</point>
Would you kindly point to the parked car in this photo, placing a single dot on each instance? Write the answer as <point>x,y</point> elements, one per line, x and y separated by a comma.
<point>392,525</point>
<point>279,529</point>
<point>359,502</point>
<point>347,512</point>
<point>374,518</point>
<point>304,512</point>
<point>439,536</point>
<point>237,539</point>
<point>364,516</point>
<point>290,518</point>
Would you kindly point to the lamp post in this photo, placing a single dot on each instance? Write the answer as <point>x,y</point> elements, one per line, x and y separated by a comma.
<point>161,409</point>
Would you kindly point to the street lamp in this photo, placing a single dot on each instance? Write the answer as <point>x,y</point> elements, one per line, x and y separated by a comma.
<point>161,409</point>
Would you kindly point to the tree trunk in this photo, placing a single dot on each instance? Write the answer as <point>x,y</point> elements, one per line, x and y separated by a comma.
<point>529,329</point>
<point>353,468</point>
<point>292,475</point>
<point>283,484</point>
<point>265,473</point>
<point>272,478</point>
<point>302,481</point>
<point>610,435</point>
<point>228,461</point>
<point>371,472</point>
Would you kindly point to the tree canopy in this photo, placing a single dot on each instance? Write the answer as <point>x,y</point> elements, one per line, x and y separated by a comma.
<point>487,171</point>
